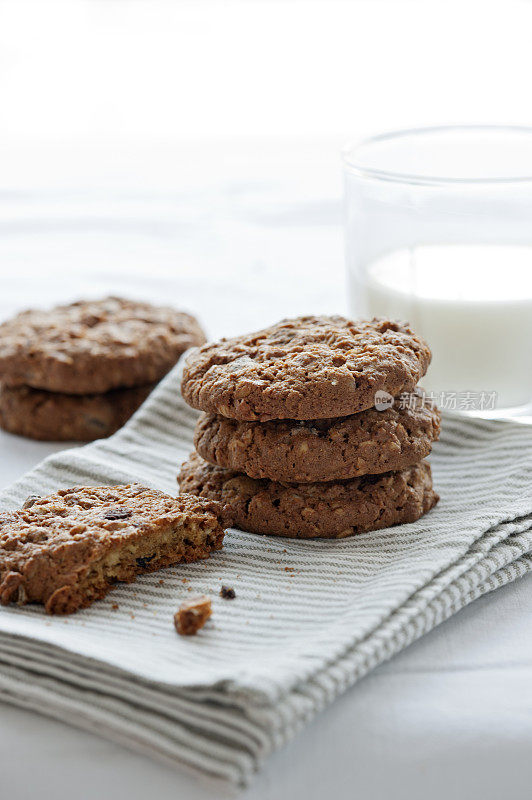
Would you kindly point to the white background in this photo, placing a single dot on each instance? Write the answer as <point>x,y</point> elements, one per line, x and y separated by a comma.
<point>112,113</point>
<point>112,70</point>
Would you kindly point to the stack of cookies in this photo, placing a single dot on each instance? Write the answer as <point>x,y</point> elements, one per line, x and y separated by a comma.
<point>292,439</point>
<point>79,371</point>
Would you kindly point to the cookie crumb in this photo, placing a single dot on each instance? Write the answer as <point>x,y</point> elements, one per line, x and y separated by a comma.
<point>115,606</point>
<point>227,592</point>
<point>192,615</point>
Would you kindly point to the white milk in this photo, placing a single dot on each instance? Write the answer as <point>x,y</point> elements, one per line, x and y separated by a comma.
<point>472,303</point>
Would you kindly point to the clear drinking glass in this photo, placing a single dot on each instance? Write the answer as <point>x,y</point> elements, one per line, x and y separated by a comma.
<point>439,232</point>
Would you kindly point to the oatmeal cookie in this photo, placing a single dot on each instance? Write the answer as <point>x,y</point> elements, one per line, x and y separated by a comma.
<point>94,346</point>
<point>305,368</point>
<point>69,549</point>
<point>366,443</point>
<point>308,510</point>
<point>55,417</point>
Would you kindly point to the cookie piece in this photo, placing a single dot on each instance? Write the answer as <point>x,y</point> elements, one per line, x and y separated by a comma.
<point>69,549</point>
<point>305,368</point>
<point>192,615</point>
<point>307,510</point>
<point>304,451</point>
<point>94,346</point>
<point>55,417</point>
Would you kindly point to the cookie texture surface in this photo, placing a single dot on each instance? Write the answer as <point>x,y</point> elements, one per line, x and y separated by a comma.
<point>308,510</point>
<point>305,368</point>
<point>56,417</point>
<point>68,550</point>
<point>370,442</point>
<point>94,346</point>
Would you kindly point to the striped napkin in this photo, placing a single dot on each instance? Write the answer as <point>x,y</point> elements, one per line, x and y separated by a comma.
<point>310,617</point>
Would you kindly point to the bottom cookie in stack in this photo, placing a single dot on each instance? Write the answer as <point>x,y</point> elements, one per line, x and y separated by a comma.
<point>56,417</point>
<point>334,509</point>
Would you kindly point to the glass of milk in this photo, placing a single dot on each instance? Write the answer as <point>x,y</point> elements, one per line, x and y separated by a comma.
<point>439,233</point>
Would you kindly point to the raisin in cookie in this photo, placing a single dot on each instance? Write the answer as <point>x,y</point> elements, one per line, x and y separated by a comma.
<point>68,549</point>
<point>305,368</point>
<point>94,346</point>
<point>308,510</point>
<point>367,443</point>
<point>55,417</point>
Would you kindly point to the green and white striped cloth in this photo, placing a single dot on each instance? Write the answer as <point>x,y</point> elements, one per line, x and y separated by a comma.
<point>292,640</point>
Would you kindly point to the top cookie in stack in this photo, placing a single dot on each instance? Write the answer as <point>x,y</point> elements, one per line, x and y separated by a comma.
<point>78,371</point>
<point>292,439</point>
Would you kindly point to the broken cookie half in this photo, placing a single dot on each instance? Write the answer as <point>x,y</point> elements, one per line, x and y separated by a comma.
<point>69,549</point>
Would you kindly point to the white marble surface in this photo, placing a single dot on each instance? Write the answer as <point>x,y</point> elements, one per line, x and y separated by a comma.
<point>249,236</point>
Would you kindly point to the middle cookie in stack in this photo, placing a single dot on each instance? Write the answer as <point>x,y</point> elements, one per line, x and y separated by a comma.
<point>291,440</point>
